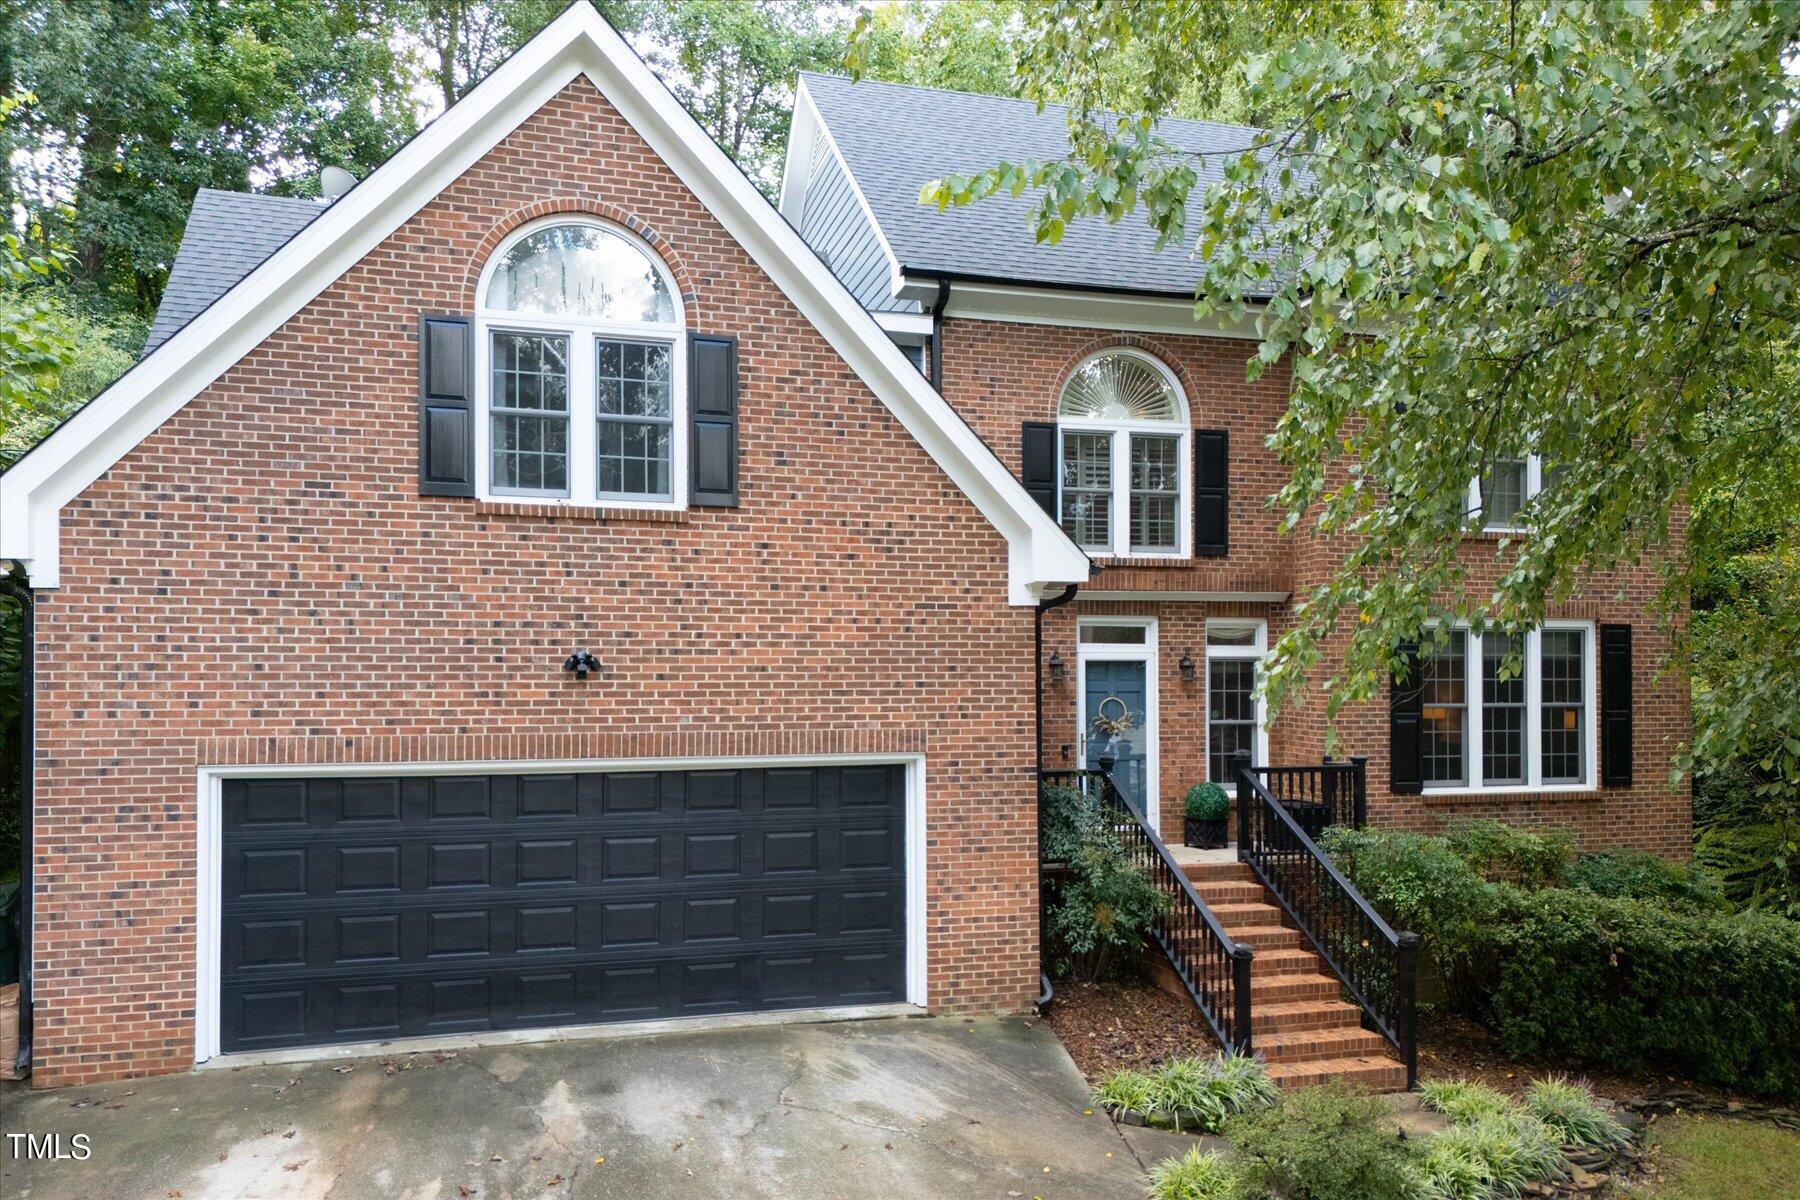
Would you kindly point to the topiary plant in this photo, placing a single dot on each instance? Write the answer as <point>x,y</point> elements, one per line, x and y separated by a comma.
<point>1207,802</point>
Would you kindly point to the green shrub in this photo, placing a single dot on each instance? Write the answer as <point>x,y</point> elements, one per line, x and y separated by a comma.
<point>1640,875</point>
<point>1635,985</point>
<point>1195,1176</point>
<point>1570,1111</point>
<point>1203,1092</point>
<point>1496,850</point>
<point>1328,1142</point>
<point>1565,974</point>
<point>1464,1101</point>
<point>1498,1154</point>
<point>1207,802</point>
<point>1127,1089</point>
<point>1101,908</point>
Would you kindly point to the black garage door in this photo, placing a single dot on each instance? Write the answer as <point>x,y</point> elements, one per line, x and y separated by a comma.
<point>363,908</point>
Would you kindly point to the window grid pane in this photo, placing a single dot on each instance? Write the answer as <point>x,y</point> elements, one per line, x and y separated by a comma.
<point>1443,709</point>
<point>1502,710</point>
<point>530,404</point>
<point>1230,715</point>
<point>1155,491</point>
<point>1087,488</point>
<point>1503,492</point>
<point>1563,697</point>
<point>633,385</point>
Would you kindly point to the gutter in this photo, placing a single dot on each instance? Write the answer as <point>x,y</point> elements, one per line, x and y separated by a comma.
<point>937,335</point>
<point>13,584</point>
<point>1037,662</point>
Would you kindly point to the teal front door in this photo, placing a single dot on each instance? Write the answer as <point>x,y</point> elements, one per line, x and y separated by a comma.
<point>1116,710</point>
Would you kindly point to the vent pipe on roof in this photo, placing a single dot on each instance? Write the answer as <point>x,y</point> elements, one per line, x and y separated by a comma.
<point>334,182</point>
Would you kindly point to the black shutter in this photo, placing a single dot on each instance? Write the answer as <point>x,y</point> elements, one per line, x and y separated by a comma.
<point>1406,767</point>
<point>446,409</point>
<point>1212,493</point>
<point>1615,705</point>
<point>1037,463</point>
<point>713,402</point>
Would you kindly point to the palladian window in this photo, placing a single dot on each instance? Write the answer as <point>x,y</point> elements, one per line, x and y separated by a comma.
<point>582,356</point>
<point>1124,436</point>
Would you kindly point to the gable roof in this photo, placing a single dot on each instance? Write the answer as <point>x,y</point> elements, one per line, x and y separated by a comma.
<point>227,235</point>
<point>894,138</point>
<point>577,43</point>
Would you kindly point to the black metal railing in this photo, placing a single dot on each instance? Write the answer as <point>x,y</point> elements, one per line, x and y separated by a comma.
<point>1214,968</point>
<point>1334,792</point>
<point>1378,967</point>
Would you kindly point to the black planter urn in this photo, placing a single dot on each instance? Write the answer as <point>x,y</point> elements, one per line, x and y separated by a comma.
<point>1203,833</point>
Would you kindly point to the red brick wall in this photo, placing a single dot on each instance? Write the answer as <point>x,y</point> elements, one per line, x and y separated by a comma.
<point>1001,374</point>
<point>260,582</point>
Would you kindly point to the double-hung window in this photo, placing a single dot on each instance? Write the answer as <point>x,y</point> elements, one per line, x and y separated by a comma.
<point>1125,447</point>
<point>1500,495</point>
<point>582,352</point>
<point>1234,714</point>
<point>1508,711</point>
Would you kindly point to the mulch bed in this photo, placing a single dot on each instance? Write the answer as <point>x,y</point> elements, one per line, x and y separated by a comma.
<point>1109,1026</point>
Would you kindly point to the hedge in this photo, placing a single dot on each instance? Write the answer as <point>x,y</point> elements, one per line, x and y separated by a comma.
<point>1568,975</point>
<point>1638,985</point>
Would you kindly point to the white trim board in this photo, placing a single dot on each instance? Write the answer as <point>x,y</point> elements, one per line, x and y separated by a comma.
<point>1152,595</point>
<point>579,43</point>
<point>209,820</point>
<point>1048,305</point>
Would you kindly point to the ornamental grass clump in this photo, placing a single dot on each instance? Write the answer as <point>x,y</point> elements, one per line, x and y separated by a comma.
<point>1463,1100</point>
<point>1127,1090</point>
<point>1195,1176</point>
<point>1200,1093</point>
<point>1510,1151</point>
<point>1571,1112</point>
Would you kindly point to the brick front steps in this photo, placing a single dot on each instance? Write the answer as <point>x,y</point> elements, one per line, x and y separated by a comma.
<point>1299,1023</point>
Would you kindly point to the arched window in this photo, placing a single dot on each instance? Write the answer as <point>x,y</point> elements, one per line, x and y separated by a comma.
<point>1123,425</point>
<point>582,354</point>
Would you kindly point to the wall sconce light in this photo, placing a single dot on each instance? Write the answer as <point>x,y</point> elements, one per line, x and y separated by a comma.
<point>1057,669</point>
<point>581,662</point>
<point>1188,670</point>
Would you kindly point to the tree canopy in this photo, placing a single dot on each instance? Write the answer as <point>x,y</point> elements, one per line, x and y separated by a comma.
<point>1550,228</point>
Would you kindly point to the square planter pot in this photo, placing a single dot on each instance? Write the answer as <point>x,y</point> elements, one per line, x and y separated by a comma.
<point>1203,834</point>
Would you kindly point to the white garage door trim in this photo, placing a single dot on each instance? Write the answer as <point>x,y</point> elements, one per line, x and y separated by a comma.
<point>210,821</point>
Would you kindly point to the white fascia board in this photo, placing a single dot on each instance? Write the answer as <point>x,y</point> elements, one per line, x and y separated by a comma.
<point>913,324</point>
<point>797,165</point>
<point>1089,310</point>
<point>578,42</point>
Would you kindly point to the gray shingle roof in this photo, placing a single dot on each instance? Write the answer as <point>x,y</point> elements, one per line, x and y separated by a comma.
<point>895,137</point>
<point>228,235</point>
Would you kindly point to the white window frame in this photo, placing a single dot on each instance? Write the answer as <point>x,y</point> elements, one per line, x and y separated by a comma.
<point>583,336</point>
<point>1534,483</point>
<point>1145,652</point>
<point>1255,652</point>
<point>1120,431</point>
<point>1534,716</point>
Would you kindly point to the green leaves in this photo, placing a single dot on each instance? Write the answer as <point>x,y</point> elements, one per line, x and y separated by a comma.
<point>1474,237</point>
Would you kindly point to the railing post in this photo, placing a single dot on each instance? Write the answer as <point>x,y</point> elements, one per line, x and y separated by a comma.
<point>1360,786</point>
<point>1245,797</point>
<point>1241,956</point>
<point>1409,994</point>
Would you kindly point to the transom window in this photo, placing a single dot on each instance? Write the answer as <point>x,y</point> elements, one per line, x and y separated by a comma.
<point>1529,723</point>
<point>581,349</point>
<point>1124,455</point>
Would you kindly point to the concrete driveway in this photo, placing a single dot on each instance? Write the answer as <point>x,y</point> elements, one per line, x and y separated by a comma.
<point>906,1107</point>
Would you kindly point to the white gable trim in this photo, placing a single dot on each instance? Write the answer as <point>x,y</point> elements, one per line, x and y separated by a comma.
<point>34,492</point>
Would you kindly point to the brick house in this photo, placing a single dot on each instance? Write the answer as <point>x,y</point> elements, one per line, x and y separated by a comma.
<point>544,586</point>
